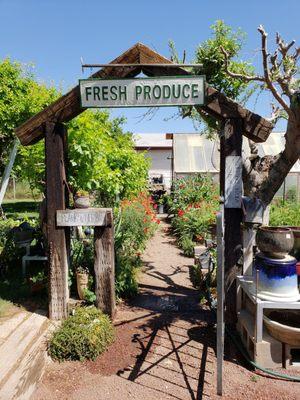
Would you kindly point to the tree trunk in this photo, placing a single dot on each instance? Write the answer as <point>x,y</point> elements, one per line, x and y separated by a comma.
<point>263,176</point>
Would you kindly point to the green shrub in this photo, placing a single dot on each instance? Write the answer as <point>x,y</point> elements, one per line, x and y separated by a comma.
<point>193,203</point>
<point>187,245</point>
<point>136,222</point>
<point>84,335</point>
<point>287,213</point>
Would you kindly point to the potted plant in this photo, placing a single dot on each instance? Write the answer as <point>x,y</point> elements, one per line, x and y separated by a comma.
<point>82,261</point>
<point>37,282</point>
<point>82,199</point>
<point>82,281</point>
<point>161,203</point>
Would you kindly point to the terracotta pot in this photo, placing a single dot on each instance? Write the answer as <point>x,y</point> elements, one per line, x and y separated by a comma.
<point>82,202</point>
<point>82,281</point>
<point>275,242</point>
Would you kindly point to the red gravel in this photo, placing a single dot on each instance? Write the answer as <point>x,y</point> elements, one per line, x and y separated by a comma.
<point>165,347</point>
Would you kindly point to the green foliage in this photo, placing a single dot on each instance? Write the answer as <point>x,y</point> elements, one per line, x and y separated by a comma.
<point>210,56</point>
<point>194,203</point>
<point>102,159</point>
<point>84,335</point>
<point>89,296</point>
<point>287,213</point>
<point>20,98</point>
<point>187,245</point>
<point>135,224</point>
<point>6,308</point>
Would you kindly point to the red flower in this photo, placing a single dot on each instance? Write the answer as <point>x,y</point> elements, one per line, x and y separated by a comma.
<point>180,213</point>
<point>155,206</point>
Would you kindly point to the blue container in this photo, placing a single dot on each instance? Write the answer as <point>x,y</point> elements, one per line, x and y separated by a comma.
<point>277,278</point>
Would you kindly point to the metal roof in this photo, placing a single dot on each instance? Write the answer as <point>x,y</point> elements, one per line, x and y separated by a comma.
<point>195,153</point>
<point>151,140</point>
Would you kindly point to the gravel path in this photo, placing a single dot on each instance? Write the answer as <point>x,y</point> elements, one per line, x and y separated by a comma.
<point>165,346</point>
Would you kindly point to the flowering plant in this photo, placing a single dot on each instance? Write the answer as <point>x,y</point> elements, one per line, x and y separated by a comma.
<point>135,223</point>
<point>193,203</point>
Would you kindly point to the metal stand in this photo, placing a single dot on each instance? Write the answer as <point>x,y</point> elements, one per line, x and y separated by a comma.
<point>245,285</point>
<point>220,304</point>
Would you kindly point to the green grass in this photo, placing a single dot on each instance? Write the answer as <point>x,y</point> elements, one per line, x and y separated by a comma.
<point>19,209</point>
<point>7,308</point>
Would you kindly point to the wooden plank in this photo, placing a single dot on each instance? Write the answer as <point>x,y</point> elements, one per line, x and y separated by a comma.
<point>68,106</point>
<point>233,181</point>
<point>104,266</point>
<point>231,145</point>
<point>81,217</point>
<point>217,105</point>
<point>56,239</point>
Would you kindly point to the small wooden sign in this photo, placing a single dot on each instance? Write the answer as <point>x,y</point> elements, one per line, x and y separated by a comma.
<point>233,182</point>
<point>82,217</point>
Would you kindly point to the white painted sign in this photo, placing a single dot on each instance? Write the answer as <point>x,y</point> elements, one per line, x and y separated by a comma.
<point>233,181</point>
<point>142,92</point>
<point>81,217</point>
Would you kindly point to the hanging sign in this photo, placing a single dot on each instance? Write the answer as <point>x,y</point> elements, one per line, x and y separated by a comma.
<point>143,92</point>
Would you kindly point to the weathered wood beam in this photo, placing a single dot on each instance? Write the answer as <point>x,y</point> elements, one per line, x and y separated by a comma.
<point>231,145</point>
<point>56,239</point>
<point>217,104</point>
<point>68,106</point>
<point>104,266</point>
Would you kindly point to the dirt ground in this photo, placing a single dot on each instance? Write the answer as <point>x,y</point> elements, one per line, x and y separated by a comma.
<point>165,346</point>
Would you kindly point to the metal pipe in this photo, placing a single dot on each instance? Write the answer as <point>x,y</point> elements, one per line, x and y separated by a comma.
<point>142,65</point>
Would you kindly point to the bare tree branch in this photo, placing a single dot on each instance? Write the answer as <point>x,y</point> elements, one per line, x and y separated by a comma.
<point>247,78</point>
<point>268,80</point>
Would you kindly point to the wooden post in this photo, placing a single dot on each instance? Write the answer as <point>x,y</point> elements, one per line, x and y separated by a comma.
<point>231,145</point>
<point>56,239</point>
<point>105,266</point>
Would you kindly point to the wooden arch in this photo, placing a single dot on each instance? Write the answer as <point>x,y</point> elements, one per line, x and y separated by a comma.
<point>48,124</point>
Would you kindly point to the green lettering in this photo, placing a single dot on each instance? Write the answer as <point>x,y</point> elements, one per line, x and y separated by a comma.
<point>104,92</point>
<point>156,92</point>
<point>88,92</point>
<point>96,91</point>
<point>138,91</point>
<point>166,91</point>
<point>113,93</point>
<point>184,94</point>
<point>195,90</point>
<point>176,95</point>
<point>147,90</point>
<point>123,92</point>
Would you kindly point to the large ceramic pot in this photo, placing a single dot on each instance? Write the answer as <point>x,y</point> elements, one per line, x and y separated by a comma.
<point>296,232</point>
<point>284,326</point>
<point>275,242</point>
<point>276,278</point>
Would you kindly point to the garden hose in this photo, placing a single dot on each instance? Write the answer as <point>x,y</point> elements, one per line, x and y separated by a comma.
<point>239,344</point>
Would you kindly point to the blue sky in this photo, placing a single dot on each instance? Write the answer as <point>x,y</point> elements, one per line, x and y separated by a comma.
<point>54,34</point>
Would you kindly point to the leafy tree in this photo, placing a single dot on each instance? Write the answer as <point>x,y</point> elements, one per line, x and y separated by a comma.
<point>220,56</point>
<point>102,159</point>
<point>20,98</point>
<point>210,55</point>
<point>263,176</point>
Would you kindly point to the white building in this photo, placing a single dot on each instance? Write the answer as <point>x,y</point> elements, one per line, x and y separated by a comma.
<point>159,150</point>
<point>193,153</point>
